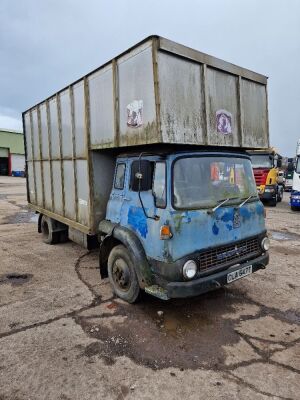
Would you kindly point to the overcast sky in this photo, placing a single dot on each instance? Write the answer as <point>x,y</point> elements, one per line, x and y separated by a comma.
<point>45,45</point>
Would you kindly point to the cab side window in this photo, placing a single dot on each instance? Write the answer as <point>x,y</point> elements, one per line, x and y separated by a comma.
<point>159,185</point>
<point>120,176</point>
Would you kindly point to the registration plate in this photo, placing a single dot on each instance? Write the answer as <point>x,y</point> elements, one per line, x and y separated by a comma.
<point>239,273</point>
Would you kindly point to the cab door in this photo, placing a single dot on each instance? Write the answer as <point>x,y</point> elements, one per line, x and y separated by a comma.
<point>117,196</point>
<point>144,212</point>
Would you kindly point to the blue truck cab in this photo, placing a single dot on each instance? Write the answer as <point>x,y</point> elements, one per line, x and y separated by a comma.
<point>181,223</point>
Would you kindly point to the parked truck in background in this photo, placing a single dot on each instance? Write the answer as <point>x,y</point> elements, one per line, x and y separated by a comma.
<point>147,154</point>
<point>288,184</point>
<point>281,178</point>
<point>295,194</point>
<point>266,164</point>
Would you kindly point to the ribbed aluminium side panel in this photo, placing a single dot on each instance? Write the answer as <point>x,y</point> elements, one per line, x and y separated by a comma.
<point>69,189</point>
<point>83,191</point>
<point>57,187</point>
<point>66,123</point>
<point>102,126</point>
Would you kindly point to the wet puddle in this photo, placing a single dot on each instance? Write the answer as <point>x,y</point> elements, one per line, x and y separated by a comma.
<point>15,279</point>
<point>21,217</point>
<point>279,235</point>
<point>187,333</point>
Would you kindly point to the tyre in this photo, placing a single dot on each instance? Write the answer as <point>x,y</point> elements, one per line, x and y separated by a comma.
<point>273,202</point>
<point>279,196</point>
<point>122,274</point>
<point>63,236</point>
<point>49,236</point>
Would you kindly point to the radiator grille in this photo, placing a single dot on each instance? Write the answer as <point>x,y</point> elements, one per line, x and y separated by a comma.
<point>224,254</point>
<point>260,176</point>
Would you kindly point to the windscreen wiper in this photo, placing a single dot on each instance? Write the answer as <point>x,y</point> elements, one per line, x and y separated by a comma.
<point>220,204</point>
<point>245,201</point>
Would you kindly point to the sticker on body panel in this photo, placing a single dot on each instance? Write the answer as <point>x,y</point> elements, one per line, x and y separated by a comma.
<point>224,122</point>
<point>135,114</point>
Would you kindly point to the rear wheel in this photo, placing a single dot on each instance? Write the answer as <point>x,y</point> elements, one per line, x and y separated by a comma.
<point>49,236</point>
<point>280,193</point>
<point>279,197</point>
<point>122,274</point>
<point>63,236</point>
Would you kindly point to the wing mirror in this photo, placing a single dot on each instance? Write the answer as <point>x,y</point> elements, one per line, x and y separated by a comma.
<point>141,176</point>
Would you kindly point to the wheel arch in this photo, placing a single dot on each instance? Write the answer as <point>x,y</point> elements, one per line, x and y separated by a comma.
<point>116,234</point>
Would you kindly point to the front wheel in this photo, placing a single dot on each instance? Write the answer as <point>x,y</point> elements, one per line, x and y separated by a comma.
<point>122,274</point>
<point>273,202</point>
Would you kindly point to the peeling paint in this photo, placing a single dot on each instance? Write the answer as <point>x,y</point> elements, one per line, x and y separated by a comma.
<point>137,220</point>
<point>215,229</point>
<point>246,213</point>
<point>229,227</point>
<point>227,216</point>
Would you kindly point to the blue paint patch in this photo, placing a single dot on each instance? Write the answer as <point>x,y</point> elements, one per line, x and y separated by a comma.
<point>229,227</point>
<point>138,221</point>
<point>259,208</point>
<point>246,213</point>
<point>227,217</point>
<point>215,229</point>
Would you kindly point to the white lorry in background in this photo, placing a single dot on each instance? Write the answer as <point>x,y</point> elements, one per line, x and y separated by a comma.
<point>295,194</point>
<point>281,178</point>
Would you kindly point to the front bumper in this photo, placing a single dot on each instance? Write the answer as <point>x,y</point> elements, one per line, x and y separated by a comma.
<point>295,199</point>
<point>211,282</point>
<point>265,195</point>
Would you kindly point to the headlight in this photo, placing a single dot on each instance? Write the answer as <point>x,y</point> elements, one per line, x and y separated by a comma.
<point>265,244</point>
<point>189,269</point>
<point>269,190</point>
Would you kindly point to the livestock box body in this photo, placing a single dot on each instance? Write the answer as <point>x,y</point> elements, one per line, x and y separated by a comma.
<point>157,92</point>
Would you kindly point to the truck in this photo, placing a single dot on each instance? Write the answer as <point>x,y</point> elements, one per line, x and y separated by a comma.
<point>295,193</point>
<point>266,164</point>
<point>281,178</point>
<point>289,172</point>
<point>146,159</point>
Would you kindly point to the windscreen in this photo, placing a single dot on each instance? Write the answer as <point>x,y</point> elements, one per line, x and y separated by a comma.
<point>262,161</point>
<point>203,182</point>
